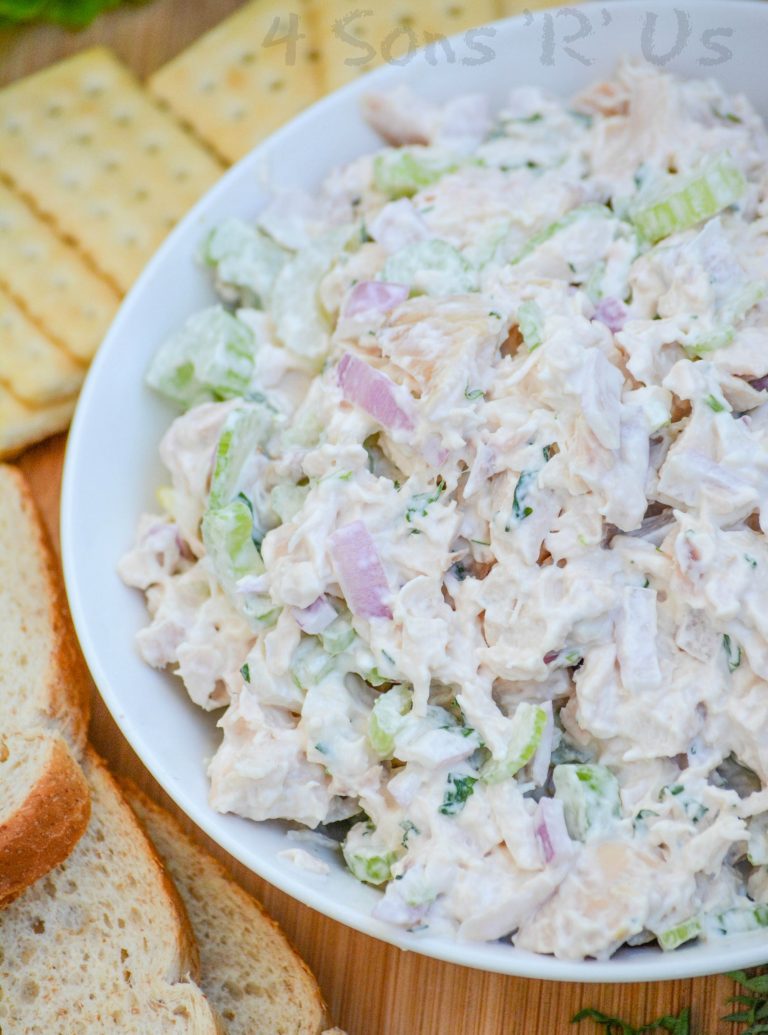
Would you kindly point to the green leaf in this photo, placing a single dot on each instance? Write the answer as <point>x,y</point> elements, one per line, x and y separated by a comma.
<point>679,1024</point>
<point>72,14</point>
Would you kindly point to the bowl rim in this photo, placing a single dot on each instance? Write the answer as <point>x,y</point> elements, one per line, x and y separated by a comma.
<point>489,957</point>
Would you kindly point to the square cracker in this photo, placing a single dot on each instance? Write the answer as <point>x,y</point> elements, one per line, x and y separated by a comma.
<point>86,146</point>
<point>22,425</point>
<point>36,371</point>
<point>245,77</point>
<point>354,37</point>
<point>51,281</point>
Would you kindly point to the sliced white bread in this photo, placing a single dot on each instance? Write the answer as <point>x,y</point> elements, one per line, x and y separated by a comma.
<point>43,700</point>
<point>249,971</point>
<point>102,943</point>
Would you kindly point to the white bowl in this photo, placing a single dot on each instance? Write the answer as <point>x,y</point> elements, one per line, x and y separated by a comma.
<point>112,468</point>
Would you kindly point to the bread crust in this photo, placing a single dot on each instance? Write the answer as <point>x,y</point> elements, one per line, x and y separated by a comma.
<point>310,1019</point>
<point>68,680</point>
<point>46,827</point>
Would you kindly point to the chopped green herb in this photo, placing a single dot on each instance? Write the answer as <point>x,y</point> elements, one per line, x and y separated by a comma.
<point>750,560</point>
<point>408,829</point>
<point>493,312</point>
<point>459,789</point>
<point>420,503</point>
<point>473,393</point>
<point>732,653</point>
<point>714,404</point>
<point>520,510</point>
<point>245,672</point>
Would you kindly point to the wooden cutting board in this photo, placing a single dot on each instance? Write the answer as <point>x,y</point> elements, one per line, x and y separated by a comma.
<point>371,988</point>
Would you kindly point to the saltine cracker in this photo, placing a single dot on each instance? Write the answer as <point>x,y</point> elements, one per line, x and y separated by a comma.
<point>51,281</point>
<point>89,149</point>
<point>244,78</point>
<point>35,370</point>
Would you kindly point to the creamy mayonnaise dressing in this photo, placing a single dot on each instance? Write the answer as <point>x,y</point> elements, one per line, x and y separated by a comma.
<point>465,523</point>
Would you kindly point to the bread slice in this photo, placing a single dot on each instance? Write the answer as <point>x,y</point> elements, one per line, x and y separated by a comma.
<point>249,971</point>
<point>43,679</point>
<point>44,803</point>
<point>102,943</point>
<point>43,700</point>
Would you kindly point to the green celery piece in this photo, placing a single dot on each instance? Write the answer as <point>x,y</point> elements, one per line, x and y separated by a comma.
<point>591,211</point>
<point>300,321</point>
<point>528,724</point>
<point>530,320</point>
<point>210,358</point>
<point>245,259</point>
<point>680,933</point>
<point>369,864</point>
<point>310,664</point>
<point>684,204</point>
<point>401,173</point>
<point>228,539</point>
<point>287,500</point>
<point>337,636</point>
<point>590,796</point>
<point>451,273</point>
<point>245,431</point>
<point>387,718</point>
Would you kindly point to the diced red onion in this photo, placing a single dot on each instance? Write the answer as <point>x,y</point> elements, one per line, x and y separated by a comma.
<point>551,831</point>
<point>359,571</point>
<point>539,767</point>
<point>550,656</point>
<point>760,383</point>
<point>316,617</point>
<point>373,392</point>
<point>612,312</point>
<point>376,296</point>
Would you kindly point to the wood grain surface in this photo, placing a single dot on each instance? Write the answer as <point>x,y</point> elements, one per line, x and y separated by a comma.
<point>371,988</point>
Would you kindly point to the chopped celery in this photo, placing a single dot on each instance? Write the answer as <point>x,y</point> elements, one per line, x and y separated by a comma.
<point>245,431</point>
<point>590,797</point>
<point>527,726</point>
<point>287,500</point>
<point>367,858</point>
<point>401,173</point>
<point>300,321</point>
<point>430,267</point>
<point>590,211</point>
<point>246,261</point>
<point>228,538</point>
<point>530,320</point>
<point>369,865</point>
<point>310,663</point>
<point>738,920</point>
<point>387,718</point>
<point>680,933</point>
<point>460,788</point>
<point>337,636</point>
<point>210,358</point>
<point>690,200</point>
